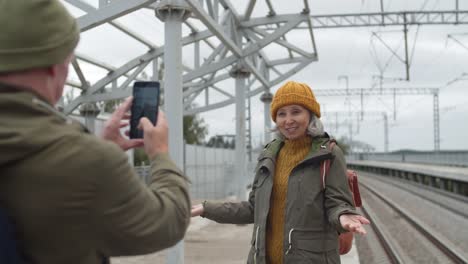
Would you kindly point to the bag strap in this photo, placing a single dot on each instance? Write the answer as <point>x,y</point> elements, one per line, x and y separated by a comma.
<point>324,168</point>
<point>325,165</point>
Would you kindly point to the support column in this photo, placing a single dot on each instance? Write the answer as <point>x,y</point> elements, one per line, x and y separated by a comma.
<point>155,76</point>
<point>266,99</point>
<point>436,123</point>
<point>419,178</point>
<point>442,184</point>
<point>407,63</point>
<point>385,132</point>
<point>173,13</point>
<point>432,181</point>
<point>455,187</point>
<point>90,111</point>
<point>382,11</point>
<point>350,127</point>
<point>240,73</point>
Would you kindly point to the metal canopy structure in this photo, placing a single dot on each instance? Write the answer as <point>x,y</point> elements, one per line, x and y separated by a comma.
<point>235,40</point>
<point>236,46</point>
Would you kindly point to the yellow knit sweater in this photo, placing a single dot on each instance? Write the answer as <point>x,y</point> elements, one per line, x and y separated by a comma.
<point>293,152</point>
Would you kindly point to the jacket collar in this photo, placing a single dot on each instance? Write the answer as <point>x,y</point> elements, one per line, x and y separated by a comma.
<point>319,147</point>
<point>38,101</point>
<point>318,151</point>
<point>271,149</point>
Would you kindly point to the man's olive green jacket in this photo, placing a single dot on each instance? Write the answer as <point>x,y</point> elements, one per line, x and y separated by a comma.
<point>311,214</point>
<point>74,198</point>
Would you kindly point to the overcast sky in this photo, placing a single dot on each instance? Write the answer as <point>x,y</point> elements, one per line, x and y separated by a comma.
<point>436,62</point>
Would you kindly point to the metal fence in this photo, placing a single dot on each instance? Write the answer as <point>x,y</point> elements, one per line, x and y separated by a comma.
<point>449,158</point>
<point>211,172</point>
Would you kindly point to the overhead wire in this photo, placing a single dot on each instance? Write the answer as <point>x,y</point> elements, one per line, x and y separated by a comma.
<point>424,5</point>
<point>398,103</point>
<point>416,103</point>
<point>410,62</point>
<point>375,57</point>
<point>394,54</point>
<point>350,53</point>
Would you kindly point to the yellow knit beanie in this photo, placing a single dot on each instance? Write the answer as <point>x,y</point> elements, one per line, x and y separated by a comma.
<point>294,93</point>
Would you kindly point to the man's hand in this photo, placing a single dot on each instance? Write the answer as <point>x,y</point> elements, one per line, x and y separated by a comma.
<point>112,127</point>
<point>155,137</point>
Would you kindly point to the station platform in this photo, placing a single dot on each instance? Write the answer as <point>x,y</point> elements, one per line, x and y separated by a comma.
<point>209,242</point>
<point>446,172</point>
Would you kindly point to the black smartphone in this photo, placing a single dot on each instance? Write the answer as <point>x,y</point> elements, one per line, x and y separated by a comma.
<point>145,104</point>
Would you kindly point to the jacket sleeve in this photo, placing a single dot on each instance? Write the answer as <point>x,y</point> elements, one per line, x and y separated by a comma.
<point>136,219</point>
<point>232,212</point>
<point>229,212</point>
<point>338,198</point>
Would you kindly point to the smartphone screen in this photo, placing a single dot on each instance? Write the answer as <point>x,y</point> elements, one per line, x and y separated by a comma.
<point>145,104</point>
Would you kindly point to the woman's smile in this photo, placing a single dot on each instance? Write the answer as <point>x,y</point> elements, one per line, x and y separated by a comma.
<point>292,121</point>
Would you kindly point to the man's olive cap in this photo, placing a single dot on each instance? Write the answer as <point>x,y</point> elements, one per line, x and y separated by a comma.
<point>35,34</point>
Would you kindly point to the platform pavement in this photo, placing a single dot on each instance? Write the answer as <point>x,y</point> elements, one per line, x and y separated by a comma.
<point>207,242</point>
<point>447,172</point>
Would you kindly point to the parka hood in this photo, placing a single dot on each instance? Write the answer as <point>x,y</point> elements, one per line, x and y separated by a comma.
<point>19,139</point>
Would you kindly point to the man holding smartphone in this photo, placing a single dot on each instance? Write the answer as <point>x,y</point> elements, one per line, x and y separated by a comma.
<point>72,197</point>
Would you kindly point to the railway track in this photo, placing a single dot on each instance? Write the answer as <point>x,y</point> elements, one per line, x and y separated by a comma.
<point>417,243</point>
<point>458,206</point>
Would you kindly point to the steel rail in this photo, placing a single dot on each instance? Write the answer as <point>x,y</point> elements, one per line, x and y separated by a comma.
<point>401,185</point>
<point>444,246</point>
<point>382,236</point>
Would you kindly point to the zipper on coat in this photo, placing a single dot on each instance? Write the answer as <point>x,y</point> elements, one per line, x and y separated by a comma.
<point>289,241</point>
<point>256,245</point>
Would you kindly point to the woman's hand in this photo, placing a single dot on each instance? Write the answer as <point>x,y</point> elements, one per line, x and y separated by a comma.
<point>197,210</point>
<point>353,223</point>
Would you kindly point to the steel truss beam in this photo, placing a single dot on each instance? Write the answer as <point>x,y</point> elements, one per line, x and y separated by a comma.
<point>123,71</point>
<point>257,34</point>
<point>110,12</point>
<point>375,91</point>
<point>392,19</point>
<point>372,19</point>
<point>90,9</point>
<point>254,92</point>
<point>353,113</point>
<point>205,76</point>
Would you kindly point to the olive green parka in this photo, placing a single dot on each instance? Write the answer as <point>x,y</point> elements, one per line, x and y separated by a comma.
<point>312,213</point>
<point>74,198</point>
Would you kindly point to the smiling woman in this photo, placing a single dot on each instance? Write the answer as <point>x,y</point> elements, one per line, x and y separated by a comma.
<point>296,112</point>
<point>287,204</point>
